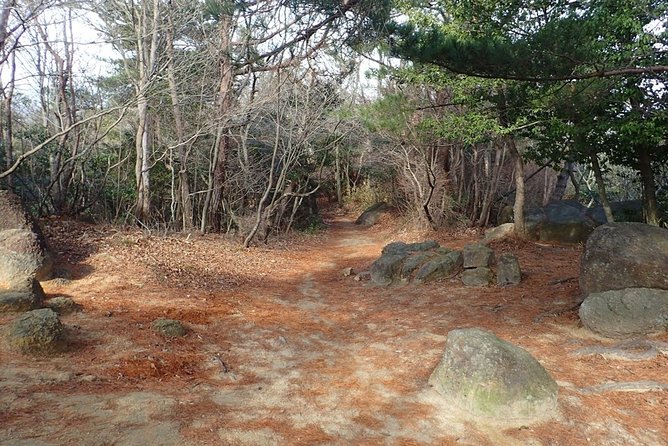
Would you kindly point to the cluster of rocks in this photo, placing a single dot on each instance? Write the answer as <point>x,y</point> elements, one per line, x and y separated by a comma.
<point>428,261</point>
<point>624,279</point>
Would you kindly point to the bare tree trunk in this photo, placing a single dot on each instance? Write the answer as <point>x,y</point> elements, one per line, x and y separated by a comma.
<point>650,206</point>
<point>147,50</point>
<point>600,183</point>
<point>184,187</point>
<point>7,133</point>
<point>222,137</point>
<point>337,174</point>
<point>518,207</point>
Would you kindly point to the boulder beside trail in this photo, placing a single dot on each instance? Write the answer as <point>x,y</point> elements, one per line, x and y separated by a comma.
<point>625,255</point>
<point>37,332</point>
<point>477,277</point>
<point>508,270</point>
<point>441,267</point>
<point>24,296</point>
<point>21,257</point>
<point>499,232</point>
<point>477,255</point>
<point>626,313</point>
<point>15,218</point>
<point>494,379</point>
<point>372,214</point>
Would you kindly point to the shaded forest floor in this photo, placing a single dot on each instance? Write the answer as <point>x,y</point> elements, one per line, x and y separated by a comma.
<point>284,349</point>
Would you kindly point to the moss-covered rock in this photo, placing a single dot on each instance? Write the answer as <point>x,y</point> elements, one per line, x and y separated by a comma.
<point>169,328</point>
<point>37,332</point>
<point>491,378</point>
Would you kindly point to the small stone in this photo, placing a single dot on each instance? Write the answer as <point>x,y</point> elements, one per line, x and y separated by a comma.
<point>37,332</point>
<point>477,277</point>
<point>363,276</point>
<point>169,328</point>
<point>347,272</point>
<point>63,305</point>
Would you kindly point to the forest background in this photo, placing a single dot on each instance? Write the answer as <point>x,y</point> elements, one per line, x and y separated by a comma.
<point>241,117</point>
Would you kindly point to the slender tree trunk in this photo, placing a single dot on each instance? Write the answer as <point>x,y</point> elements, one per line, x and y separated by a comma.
<point>650,206</point>
<point>184,186</point>
<point>518,207</point>
<point>337,174</point>
<point>600,183</point>
<point>7,134</point>
<point>222,137</point>
<point>147,49</point>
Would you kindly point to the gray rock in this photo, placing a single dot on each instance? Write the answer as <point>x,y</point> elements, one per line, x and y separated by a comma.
<point>406,248</point>
<point>625,255</point>
<point>444,266</point>
<point>21,257</point>
<point>371,215</point>
<point>491,378</point>
<point>508,270</point>
<point>385,268</point>
<point>477,255</point>
<point>565,221</point>
<point>414,262</point>
<point>169,328</point>
<point>63,305</point>
<point>18,301</point>
<point>477,277</point>
<point>499,232</point>
<point>622,211</point>
<point>13,216</point>
<point>626,313</point>
<point>37,332</point>
<point>24,296</point>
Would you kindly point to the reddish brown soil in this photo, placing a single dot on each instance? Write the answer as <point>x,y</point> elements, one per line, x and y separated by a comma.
<point>283,349</point>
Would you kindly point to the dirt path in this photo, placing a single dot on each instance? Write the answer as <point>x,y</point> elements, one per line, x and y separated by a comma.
<point>298,354</point>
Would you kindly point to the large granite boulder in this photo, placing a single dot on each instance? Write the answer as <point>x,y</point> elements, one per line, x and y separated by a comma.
<point>625,255</point>
<point>491,378</point>
<point>372,214</point>
<point>37,332</point>
<point>564,221</point>
<point>15,219</point>
<point>622,211</point>
<point>21,257</point>
<point>626,313</point>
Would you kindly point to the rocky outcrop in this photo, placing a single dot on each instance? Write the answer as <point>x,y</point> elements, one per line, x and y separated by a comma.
<point>626,313</point>
<point>491,378</point>
<point>624,281</point>
<point>37,332</point>
<point>625,255</point>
